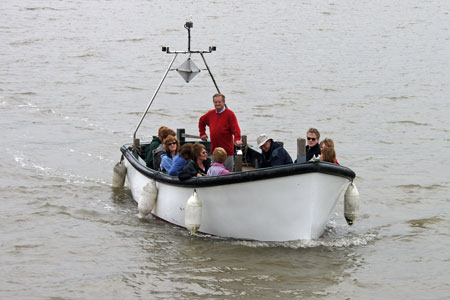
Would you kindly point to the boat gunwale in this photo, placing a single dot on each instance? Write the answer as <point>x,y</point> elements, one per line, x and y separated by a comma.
<point>239,177</point>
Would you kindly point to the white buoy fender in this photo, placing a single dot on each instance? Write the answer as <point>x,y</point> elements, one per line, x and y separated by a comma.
<point>148,198</point>
<point>351,204</point>
<point>119,174</point>
<point>193,213</point>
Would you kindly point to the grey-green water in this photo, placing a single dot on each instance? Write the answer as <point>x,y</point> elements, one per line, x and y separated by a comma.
<point>75,76</point>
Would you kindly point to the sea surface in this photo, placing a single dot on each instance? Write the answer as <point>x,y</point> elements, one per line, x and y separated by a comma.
<point>75,77</point>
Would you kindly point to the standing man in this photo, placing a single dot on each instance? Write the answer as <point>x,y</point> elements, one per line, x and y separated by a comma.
<point>313,147</point>
<point>223,128</point>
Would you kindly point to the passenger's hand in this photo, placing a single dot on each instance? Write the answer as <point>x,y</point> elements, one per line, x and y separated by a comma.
<point>204,138</point>
<point>238,143</point>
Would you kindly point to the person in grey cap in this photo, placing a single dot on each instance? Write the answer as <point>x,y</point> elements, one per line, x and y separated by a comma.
<point>273,153</point>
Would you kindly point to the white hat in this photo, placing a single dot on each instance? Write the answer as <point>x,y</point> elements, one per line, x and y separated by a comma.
<point>262,139</point>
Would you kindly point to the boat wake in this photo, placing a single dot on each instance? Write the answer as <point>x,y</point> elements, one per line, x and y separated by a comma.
<point>336,236</point>
<point>68,176</point>
<point>335,242</point>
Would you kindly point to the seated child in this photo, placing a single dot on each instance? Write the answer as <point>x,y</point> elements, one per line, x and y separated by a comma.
<point>219,157</point>
<point>181,160</point>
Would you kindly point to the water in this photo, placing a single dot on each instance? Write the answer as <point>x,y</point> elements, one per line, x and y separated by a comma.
<point>75,76</point>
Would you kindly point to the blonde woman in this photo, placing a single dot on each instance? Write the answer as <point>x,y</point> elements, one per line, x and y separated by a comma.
<point>219,156</point>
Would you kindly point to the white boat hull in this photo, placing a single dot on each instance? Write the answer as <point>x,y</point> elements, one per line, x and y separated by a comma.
<point>276,209</point>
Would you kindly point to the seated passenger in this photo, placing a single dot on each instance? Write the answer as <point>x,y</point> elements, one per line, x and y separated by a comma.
<point>328,152</point>
<point>156,141</point>
<point>198,166</point>
<point>181,160</point>
<point>273,153</point>
<point>156,153</point>
<point>171,145</point>
<point>313,147</point>
<point>219,156</point>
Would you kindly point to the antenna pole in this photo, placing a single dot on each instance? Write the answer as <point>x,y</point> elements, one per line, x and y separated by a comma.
<point>209,71</point>
<point>188,26</point>
<point>154,95</point>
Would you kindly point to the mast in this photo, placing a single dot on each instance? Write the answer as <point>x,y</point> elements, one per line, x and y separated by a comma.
<point>188,70</point>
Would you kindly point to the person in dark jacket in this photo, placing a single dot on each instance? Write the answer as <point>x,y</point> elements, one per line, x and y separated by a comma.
<point>198,166</point>
<point>156,142</point>
<point>313,147</point>
<point>273,153</point>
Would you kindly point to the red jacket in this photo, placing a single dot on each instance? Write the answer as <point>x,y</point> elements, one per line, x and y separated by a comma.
<point>222,128</point>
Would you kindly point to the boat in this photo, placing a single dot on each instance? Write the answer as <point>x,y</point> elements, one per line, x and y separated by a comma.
<point>283,203</point>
